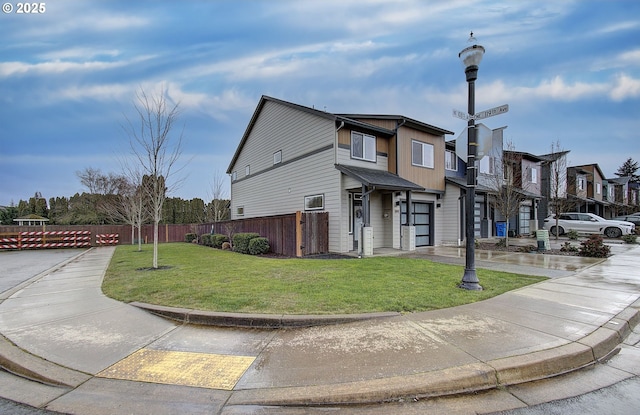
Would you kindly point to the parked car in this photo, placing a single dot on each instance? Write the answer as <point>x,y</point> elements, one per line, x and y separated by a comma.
<point>635,219</point>
<point>588,223</point>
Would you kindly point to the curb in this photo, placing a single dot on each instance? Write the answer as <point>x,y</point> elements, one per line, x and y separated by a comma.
<point>23,364</point>
<point>264,321</point>
<point>471,378</point>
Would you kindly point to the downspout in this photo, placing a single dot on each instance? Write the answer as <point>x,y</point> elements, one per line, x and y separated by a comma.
<point>335,144</point>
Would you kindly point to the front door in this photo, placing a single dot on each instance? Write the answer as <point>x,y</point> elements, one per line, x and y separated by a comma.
<point>358,221</point>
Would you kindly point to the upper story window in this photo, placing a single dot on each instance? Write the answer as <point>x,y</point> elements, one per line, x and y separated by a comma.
<point>450,160</point>
<point>363,146</point>
<point>581,183</point>
<point>598,188</point>
<point>421,154</point>
<point>534,175</point>
<point>277,157</point>
<point>247,170</point>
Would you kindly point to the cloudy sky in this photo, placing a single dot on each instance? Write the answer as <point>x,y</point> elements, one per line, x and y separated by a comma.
<point>569,70</point>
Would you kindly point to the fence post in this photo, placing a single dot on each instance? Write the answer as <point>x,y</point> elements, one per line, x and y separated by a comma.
<point>298,233</point>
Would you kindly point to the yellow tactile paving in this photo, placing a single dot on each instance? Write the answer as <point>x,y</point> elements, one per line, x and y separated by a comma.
<point>203,370</point>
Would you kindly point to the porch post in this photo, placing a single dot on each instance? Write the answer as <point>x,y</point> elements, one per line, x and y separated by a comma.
<point>409,212</point>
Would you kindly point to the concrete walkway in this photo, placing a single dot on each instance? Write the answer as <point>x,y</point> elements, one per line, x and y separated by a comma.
<point>96,355</point>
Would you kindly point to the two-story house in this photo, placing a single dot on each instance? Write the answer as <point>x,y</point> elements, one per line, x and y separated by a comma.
<point>553,184</point>
<point>523,170</point>
<point>595,199</point>
<point>380,177</point>
<point>619,195</point>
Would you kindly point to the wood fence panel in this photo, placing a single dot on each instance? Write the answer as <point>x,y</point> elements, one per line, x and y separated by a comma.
<point>280,230</point>
<point>315,233</point>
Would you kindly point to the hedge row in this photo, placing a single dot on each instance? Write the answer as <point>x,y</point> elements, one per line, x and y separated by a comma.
<point>244,243</point>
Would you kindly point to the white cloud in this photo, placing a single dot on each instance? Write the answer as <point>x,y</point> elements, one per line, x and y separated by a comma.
<point>625,87</point>
<point>8,69</point>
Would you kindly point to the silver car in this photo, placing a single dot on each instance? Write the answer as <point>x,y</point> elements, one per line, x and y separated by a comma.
<point>588,223</point>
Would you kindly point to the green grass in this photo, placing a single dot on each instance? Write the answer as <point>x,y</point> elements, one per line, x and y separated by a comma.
<point>202,278</point>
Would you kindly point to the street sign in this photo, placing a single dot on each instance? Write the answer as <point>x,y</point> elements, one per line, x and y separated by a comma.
<point>491,112</point>
<point>462,115</point>
<point>484,140</point>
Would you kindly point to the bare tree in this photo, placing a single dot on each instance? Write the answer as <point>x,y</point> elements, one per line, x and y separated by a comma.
<point>156,151</point>
<point>219,202</point>
<point>99,183</point>
<point>555,167</point>
<point>508,184</point>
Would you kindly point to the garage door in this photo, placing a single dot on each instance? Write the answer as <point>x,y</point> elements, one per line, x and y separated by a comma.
<point>422,220</point>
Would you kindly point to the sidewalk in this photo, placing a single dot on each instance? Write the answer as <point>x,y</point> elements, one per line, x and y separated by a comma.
<point>97,355</point>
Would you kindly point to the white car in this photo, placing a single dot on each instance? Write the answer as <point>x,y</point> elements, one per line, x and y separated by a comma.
<point>588,223</point>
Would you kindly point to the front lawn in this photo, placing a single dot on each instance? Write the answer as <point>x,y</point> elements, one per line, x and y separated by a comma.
<point>203,278</point>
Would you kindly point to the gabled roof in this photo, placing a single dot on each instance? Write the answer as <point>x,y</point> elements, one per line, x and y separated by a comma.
<point>553,156</point>
<point>525,155</point>
<point>594,166</point>
<point>619,180</point>
<point>462,182</point>
<point>380,179</point>
<point>402,120</point>
<point>339,119</point>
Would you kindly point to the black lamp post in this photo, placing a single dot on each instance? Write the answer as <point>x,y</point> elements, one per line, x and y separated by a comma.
<point>471,57</point>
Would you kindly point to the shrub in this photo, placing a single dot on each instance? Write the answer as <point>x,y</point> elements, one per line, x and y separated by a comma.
<point>241,241</point>
<point>567,247</point>
<point>190,237</point>
<point>573,235</point>
<point>502,242</point>
<point>630,239</point>
<point>206,239</point>
<point>259,246</point>
<point>594,247</point>
<point>219,239</point>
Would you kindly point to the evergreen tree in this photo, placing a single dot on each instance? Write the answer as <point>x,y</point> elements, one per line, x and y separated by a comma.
<point>629,169</point>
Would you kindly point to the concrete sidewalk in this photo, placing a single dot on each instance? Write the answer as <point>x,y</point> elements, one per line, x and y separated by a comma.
<point>97,355</point>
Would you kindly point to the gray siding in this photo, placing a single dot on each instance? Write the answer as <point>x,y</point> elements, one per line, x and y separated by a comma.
<point>307,166</point>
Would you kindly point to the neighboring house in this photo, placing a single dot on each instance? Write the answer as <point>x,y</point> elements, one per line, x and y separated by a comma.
<point>380,177</point>
<point>489,173</point>
<point>553,183</point>
<point>525,171</point>
<point>620,190</point>
<point>595,199</point>
<point>577,179</point>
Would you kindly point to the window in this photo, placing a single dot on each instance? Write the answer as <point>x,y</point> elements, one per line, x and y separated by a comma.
<point>363,146</point>
<point>598,188</point>
<point>247,170</point>
<point>487,165</point>
<point>534,175</point>
<point>450,160</point>
<point>314,202</point>
<point>581,183</point>
<point>240,210</point>
<point>277,157</point>
<point>421,154</point>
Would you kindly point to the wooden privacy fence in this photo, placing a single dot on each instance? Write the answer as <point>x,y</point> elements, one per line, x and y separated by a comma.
<point>295,234</point>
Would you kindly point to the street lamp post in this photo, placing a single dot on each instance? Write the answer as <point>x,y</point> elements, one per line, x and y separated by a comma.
<point>471,57</point>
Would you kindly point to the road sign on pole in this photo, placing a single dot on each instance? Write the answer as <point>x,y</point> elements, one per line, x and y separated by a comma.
<point>462,115</point>
<point>491,112</point>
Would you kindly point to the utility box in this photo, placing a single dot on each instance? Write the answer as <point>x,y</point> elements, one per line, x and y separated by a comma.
<point>367,241</point>
<point>408,241</point>
<point>542,236</point>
